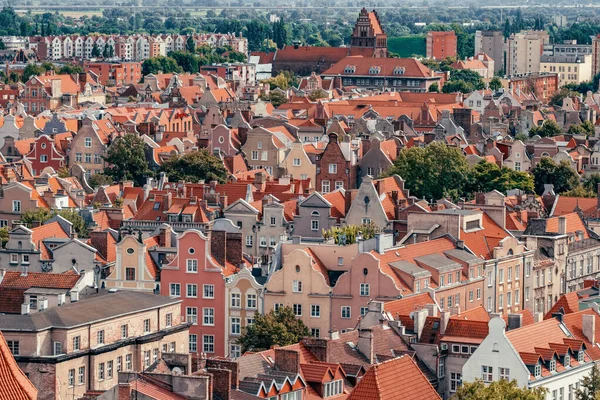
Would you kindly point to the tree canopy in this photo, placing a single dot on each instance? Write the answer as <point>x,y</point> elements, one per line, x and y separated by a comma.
<point>194,166</point>
<point>126,160</point>
<point>561,175</point>
<point>160,64</point>
<point>590,386</point>
<point>39,216</point>
<point>497,390</point>
<point>274,328</point>
<point>548,129</point>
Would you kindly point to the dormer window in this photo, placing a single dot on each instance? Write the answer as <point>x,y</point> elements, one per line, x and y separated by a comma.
<point>580,356</point>
<point>350,69</point>
<point>553,365</point>
<point>567,360</point>
<point>333,388</point>
<point>399,70</point>
<point>374,70</point>
<point>538,370</point>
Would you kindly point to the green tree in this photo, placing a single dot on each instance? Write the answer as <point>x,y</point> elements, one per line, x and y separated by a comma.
<point>32,70</point>
<point>276,98</point>
<point>190,45</point>
<point>562,176</point>
<point>486,176</point>
<point>194,166</point>
<point>585,128</point>
<point>96,51</point>
<point>432,172</point>
<point>189,62</point>
<point>63,172</point>
<point>99,180</point>
<point>109,51</point>
<point>590,386</point>
<point>522,137</point>
<point>548,129</point>
<point>126,160</point>
<point>434,88</point>
<point>498,390</point>
<point>591,183</point>
<point>160,64</point>
<point>557,97</point>
<point>3,236</point>
<point>495,83</point>
<point>69,69</point>
<point>280,33</point>
<point>282,81</point>
<point>37,216</point>
<point>280,328</point>
<point>79,225</point>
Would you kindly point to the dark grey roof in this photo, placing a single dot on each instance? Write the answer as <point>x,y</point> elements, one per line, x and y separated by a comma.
<point>90,310</point>
<point>463,255</point>
<point>537,227</point>
<point>455,211</point>
<point>410,268</point>
<point>438,261</point>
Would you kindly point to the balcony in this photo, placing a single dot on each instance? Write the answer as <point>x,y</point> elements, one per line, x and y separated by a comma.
<point>152,225</point>
<point>583,244</point>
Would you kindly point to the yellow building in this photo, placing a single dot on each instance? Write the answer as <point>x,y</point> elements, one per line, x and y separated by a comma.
<point>570,68</point>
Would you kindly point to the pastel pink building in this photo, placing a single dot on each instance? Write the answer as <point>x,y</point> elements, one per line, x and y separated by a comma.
<point>199,280</point>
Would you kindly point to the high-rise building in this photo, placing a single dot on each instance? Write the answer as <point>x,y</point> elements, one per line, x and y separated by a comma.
<point>524,50</point>
<point>369,33</point>
<point>492,44</point>
<point>440,45</point>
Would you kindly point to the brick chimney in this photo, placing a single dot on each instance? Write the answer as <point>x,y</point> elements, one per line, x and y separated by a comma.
<point>380,186</point>
<point>221,383</point>
<point>365,344</point>
<point>480,198</point>
<point>99,241</point>
<point>287,360</point>
<point>164,237</point>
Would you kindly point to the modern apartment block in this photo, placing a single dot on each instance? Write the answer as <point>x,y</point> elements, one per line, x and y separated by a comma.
<point>440,45</point>
<point>524,51</point>
<point>492,44</point>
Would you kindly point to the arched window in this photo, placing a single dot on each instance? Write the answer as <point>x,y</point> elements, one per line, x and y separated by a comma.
<point>315,214</point>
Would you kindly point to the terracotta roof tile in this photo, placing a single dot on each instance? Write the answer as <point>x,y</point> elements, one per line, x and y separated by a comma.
<point>474,314</point>
<point>482,242</point>
<point>14,385</point>
<point>569,303</point>
<point>408,304</point>
<point>574,224</point>
<point>14,280</point>
<point>381,382</point>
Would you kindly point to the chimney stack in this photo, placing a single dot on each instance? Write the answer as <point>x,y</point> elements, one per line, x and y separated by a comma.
<point>25,309</point>
<point>444,318</point>
<point>365,344</point>
<point>562,225</point>
<point>514,321</point>
<point>588,327</point>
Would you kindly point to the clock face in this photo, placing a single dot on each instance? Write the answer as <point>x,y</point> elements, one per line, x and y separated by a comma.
<point>46,267</point>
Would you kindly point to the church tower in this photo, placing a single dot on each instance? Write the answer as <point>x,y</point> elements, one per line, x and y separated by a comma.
<point>368,33</point>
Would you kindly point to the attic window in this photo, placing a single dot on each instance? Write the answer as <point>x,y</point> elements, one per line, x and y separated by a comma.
<point>350,69</point>
<point>157,205</point>
<point>399,71</point>
<point>374,70</point>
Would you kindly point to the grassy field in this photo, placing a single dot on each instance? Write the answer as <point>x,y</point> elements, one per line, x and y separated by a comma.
<point>73,14</point>
<point>406,46</point>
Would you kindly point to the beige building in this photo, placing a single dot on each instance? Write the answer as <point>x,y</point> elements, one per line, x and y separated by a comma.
<point>297,164</point>
<point>570,68</point>
<point>524,50</point>
<point>69,350</point>
<point>303,285</point>
<point>244,296</point>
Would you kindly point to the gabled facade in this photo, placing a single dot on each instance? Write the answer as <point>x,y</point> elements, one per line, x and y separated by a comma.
<point>336,167</point>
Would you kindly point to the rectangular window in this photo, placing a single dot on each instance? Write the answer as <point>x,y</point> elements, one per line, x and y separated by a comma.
<point>175,289</point>
<point>146,358</point>
<point>100,337</point>
<point>191,315</point>
<point>455,381</point>
<point>333,168</point>
<point>208,343</point>
<point>504,373</point>
<point>236,300</point>
<point>81,376</point>
<point>314,225</point>
<point>101,371</point>
<point>192,265</point>
<point>130,274</point>
<point>264,155</point>
<point>119,364</point>
<point>346,312</point>
<point>154,355</point>
<point>251,300</point>
<point>479,294</point>
<point>296,162</point>
<point>235,351</point>
<point>500,301</point>
<point>470,296</point>
<point>208,316</point>
<point>129,362</point>
<point>249,240</point>
<point>273,221</point>
<point>315,310</point>
<point>315,332</point>
<point>236,325</point>
<point>16,206</point>
<point>193,343</point>
<point>297,286</point>
<point>76,343</point>
<point>88,158</point>
<point>109,369</point>
<point>365,289</point>
<point>147,326</point>
<point>209,292</point>
<point>72,377</point>
<point>487,373</point>
<point>325,187</point>
<point>88,142</point>
<point>501,275</point>
<point>192,290</point>
<point>13,346</point>
<point>254,155</point>
<point>297,310</point>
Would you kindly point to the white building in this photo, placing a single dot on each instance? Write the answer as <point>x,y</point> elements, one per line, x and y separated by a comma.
<point>544,354</point>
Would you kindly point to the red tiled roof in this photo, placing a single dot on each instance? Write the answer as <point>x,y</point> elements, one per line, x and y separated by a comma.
<point>51,230</point>
<point>14,385</point>
<point>474,314</point>
<point>527,318</point>
<point>482,242</point>
<point>567,205</point>
<point>568,302</point>
<point>14,280</point>
<point>574,224</point>
<point>317,264</point>
<point>381,382</point>
<point>154,391</point>
<point>407,304</point>
<point>338,203</point>
<point>412,67</point>
<point>574,323</point>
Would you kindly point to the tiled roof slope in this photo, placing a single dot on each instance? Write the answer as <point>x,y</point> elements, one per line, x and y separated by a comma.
<point>14,385</point>
<point>381,382</point>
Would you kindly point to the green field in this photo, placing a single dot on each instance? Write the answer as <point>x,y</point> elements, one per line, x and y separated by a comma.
<point>406,46</point>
